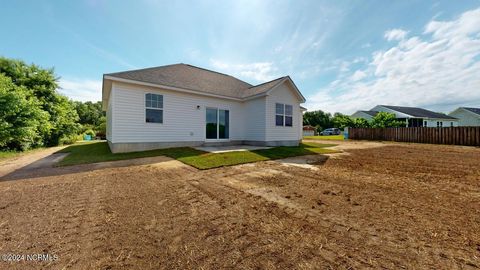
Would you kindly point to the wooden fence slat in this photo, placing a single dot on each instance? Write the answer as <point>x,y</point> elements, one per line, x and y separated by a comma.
<point>432,135</point>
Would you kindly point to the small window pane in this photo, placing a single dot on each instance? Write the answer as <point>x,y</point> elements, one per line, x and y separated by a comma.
<point>148,97</point>
<point>288,109</point>
<point>278,108</point>
<point>154,104</point>
<point>288,121</point>
<point>154,116</point>
<point>148,103</point>
<point>160,101</point>
<point>279,120</point>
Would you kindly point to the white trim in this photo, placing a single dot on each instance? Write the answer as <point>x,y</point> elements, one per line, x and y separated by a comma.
<point>299,94</point>
<point>218,125</point>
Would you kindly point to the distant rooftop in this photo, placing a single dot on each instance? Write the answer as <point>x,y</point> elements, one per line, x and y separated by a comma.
<point>474,110</point>
<point>418,112</point>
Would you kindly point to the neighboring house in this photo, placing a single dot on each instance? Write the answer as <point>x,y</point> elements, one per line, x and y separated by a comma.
<point>308,131</point>
<point>467,116</point>
<point>368,115</point>
<point>412,116</point>
<point>184,105</point>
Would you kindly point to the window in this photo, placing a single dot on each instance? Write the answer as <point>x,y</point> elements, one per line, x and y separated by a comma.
<point>283,115</point>
<point>451,124</point>
<point>439,124</point>
<point>153,108</point>
<point>279,113</point>
<point>425,123</point>
<point>217,123</point>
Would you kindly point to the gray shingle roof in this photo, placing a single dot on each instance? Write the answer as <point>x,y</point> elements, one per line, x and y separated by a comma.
<point>418,112</point>
<point>474,110</point>
<point>371,113</point>
<point>198,79</point>
<point>261,88</point>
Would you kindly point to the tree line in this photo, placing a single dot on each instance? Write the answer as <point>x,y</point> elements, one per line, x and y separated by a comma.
<point>33,113</point>
<point>322,120</point>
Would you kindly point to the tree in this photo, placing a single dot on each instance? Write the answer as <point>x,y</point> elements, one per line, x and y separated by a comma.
<point>89,113</point>
<point>360,123</point>
<point>22,120</point>
<point>341,121</point>
<point>318,119</point>
<point>39,86</point>
<point>386,119</point>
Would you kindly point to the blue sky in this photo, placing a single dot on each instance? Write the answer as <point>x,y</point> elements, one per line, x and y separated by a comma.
<point>343,55</point>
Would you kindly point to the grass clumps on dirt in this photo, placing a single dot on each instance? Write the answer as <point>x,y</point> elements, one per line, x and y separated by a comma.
<point>93,152</point>
<point>327,137</point>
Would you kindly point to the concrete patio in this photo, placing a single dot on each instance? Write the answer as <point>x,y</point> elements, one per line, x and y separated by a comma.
<point>230,148</point>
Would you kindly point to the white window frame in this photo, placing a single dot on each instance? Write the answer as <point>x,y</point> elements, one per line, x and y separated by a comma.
<point>284,115</point>
<point>153,108</point>
<point>218,125</point>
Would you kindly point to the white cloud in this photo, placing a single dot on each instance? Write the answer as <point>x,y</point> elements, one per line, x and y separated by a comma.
<point>395,34</point>
<point>439,70</point>
<point>81,89</point>
<point>259,71</point>
<point>358,75</point>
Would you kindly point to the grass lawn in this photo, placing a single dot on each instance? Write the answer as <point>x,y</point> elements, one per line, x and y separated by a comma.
<point>328,137</point>
<point>92,152</point>
<point>11,154</point>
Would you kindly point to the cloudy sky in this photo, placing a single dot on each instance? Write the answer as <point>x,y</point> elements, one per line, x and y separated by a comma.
<point>343,55</point>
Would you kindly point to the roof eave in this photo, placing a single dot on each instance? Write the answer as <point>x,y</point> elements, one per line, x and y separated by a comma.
<point>191,91</point>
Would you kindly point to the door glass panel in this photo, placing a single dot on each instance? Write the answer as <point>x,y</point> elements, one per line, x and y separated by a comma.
<point>211,121</point>
<point>223,124</point>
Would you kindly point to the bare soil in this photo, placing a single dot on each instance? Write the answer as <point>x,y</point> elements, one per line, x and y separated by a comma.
<point>394,206</point>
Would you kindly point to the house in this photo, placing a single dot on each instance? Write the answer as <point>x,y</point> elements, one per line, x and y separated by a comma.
<point>368,115</point>
<point>467,116</point>
<point>308,130</point>
<point>412,116</point>
<point>183,105</point>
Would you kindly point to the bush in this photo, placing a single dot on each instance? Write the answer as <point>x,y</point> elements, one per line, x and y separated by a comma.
<point>90,132</point>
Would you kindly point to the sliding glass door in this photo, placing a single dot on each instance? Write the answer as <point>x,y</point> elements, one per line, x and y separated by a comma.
<point>217,124</point>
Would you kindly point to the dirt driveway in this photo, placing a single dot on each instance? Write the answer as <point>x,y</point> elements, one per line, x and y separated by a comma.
<point>396,206</point>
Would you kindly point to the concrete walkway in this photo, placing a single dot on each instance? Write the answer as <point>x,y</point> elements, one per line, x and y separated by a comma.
<point>231,148</point>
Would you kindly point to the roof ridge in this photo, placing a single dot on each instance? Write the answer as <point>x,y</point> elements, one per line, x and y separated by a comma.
<point>213,71</point>
<point>143,69</point>
<point>253,86</point>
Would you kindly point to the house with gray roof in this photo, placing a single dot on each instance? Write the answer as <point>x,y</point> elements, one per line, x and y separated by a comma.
<point>412,116</point>
<point>368,115</point>
<point>185,105</point>
<point>467,116</point>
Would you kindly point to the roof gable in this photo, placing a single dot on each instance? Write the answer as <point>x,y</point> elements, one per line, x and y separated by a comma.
<point>473,110</point>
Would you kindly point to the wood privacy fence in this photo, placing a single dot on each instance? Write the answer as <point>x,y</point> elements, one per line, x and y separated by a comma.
<point>441,135</point>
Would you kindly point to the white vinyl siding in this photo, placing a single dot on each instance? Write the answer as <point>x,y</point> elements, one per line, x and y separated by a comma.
<point>283,94</point>
<point>255,120</point>
<point>182,121</point>
<point>466,118</point>
<point>109,117</point>
<point>184,116</point>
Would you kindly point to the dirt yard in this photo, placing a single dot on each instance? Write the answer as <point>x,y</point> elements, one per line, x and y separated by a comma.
<point>393,206</point>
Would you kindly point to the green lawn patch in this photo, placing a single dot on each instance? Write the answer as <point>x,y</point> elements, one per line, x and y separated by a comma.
<point>92,152</point>
<point>98,151</point>
<point>327,137</point>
